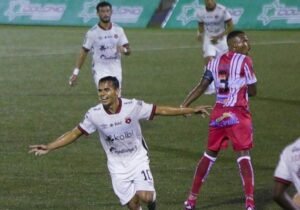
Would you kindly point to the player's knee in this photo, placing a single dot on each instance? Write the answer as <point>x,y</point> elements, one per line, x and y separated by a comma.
<point>147,196</point>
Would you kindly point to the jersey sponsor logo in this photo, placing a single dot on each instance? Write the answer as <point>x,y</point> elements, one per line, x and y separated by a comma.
<point>115,124</point>
<point>119,137</point>
<point>225,120</point>
<point>121,14</point>
<point>122,151</point>
<point>277,11</point>
<point>188,13</point>
<point>105,57</point>
<point>46,12</point>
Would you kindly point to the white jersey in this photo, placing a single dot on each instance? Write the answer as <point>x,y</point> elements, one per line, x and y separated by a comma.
<point>214,21</point>
<point>103,45</point>
<point>120,133</point>
<point>288,168</point>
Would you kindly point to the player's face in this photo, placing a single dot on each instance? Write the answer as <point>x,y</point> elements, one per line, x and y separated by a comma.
<point>104,14</point>
<point>242,44</point>
<point>108,95</point>
<point>210,4</point>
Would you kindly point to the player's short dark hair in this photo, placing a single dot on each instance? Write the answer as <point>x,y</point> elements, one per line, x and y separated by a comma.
<point>113,80</point>
<point>103,4</point>
<point>233,34</point>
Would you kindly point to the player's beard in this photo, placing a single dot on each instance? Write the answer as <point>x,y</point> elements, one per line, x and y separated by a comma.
<point>105,20</point>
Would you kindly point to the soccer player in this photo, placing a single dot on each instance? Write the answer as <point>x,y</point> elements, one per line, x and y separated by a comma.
<point>287,172</point>
<point>117,122</point>
<point>106,41</point>
<point>234,79</point>
<point>214,23</point>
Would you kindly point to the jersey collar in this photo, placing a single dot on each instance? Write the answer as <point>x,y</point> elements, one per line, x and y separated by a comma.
<point>118,109</point>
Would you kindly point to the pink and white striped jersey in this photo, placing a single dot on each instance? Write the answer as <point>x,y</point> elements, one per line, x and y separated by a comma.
<point>232,72</point>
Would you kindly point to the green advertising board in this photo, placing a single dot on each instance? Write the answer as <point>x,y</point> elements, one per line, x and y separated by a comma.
<point>246,14</point>
<point>127,13</point>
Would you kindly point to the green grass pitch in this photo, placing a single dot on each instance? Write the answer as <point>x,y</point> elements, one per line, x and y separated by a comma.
<point>37,105</point>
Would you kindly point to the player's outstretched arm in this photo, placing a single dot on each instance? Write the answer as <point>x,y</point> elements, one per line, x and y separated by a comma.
<point>172,111</point>
<point>67,138</point>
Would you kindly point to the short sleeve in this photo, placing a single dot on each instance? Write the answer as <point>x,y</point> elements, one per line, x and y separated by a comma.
<point>249,72</point>
<point>145,111</point>
<point>123,38</point>
<point>282,171</point>
<point>88,41</point>
<point>227,15</point>
<point>87,126</point>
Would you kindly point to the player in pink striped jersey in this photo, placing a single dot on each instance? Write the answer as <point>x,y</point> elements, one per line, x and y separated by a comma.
<point>235,80</point>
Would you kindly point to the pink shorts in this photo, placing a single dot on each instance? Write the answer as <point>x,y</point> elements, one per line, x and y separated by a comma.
<point>230,123</point>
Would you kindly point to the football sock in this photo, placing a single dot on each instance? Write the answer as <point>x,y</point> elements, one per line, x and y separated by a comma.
<point>247,176</point>
<point>202,170</point>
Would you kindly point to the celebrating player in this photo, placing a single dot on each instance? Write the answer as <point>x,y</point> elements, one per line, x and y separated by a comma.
<point>106,41</point>
<point>117,122</point>
<point>215,23</point>
<point>234,79</point>
<point>287,172</point>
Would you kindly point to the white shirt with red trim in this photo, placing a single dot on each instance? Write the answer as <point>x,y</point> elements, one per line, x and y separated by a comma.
<point>120,133</point>
<point>288,168</point>
<point>214,21</point>
<point>232,72</point>
<point>103,45</point>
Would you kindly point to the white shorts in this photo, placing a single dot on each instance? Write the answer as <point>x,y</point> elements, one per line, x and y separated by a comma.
<point>100,71</point>
<point>213,50</point>
<point>126,185</point>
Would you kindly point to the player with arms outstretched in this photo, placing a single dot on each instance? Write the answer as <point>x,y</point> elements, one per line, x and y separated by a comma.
<point>117,122</point>
<point>233,76</point>
<point>106,41</point>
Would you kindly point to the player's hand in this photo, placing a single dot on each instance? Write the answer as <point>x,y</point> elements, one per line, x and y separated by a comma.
<point>122,50</point>
<point>199,36</point>
<point>203,110</point>
<point>73,80</point>
<point>38,150</point>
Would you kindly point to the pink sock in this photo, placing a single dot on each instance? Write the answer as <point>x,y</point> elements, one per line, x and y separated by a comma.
<point>200,175</point>
<point>247,176</point>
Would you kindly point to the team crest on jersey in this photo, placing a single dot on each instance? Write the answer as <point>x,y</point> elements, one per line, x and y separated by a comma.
<point>116,36</point>
<point>127,120</point>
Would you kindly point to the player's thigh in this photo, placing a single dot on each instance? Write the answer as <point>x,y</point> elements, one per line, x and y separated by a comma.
<point>123,187</point>
<point>216,139</point>
<point>143,179</point>
<point>209,50</point>
<point>241,134</point>
<point>221,47</point>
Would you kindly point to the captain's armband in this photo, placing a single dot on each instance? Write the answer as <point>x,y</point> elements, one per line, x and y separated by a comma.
<point>208,75</point>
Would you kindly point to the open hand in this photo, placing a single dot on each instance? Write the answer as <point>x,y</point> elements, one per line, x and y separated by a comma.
<point>203,110</point>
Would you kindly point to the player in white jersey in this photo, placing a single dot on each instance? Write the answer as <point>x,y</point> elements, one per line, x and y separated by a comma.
<point>230,119</point>
<point>286,173</point>
<point>117,122</point>
<point>214,23</point>
<point>107,42</point>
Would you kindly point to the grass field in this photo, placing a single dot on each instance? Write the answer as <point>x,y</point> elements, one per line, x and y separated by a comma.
<point>37,105</point>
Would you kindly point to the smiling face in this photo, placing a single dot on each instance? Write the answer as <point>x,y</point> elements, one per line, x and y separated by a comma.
<point>242,44</point>
<point>108,94</point>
